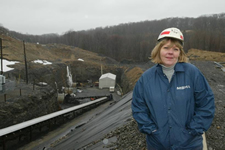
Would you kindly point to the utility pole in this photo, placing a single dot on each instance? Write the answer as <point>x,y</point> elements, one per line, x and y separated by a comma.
<point>1,57</point>
<point>25,60</point>
<point>101,66</point>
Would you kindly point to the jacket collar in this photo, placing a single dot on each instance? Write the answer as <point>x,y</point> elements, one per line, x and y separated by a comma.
<point>177,68</point>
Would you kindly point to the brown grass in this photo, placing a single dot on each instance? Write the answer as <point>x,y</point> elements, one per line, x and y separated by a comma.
<point>14,50</point>
<point>133,75</point>
<point>195,54</point>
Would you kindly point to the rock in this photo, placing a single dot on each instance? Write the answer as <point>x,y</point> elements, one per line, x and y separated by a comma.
<point>128,137</point>
<point>210,148</point>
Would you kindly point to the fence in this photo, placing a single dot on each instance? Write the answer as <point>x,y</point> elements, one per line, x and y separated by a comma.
<point>13,89</point>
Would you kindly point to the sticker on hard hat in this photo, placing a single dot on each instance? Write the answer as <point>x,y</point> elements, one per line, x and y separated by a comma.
<point>174,31</point>
<point>181,37</point>
<point>166,32</point>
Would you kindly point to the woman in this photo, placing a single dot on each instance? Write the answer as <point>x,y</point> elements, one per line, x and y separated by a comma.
<point>172,101</point>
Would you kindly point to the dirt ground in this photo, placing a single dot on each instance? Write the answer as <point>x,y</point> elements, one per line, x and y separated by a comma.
<point>204,60</point>
<point>215,136</point>
<point>216,77</point>
<point>129,138</point>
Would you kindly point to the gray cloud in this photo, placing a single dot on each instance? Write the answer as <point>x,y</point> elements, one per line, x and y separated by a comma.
<point>58,16</point>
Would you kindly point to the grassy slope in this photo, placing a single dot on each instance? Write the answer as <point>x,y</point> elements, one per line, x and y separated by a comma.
<point>13,50</point>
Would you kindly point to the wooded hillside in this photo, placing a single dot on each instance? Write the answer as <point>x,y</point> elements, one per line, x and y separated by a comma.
<point>134,41</point>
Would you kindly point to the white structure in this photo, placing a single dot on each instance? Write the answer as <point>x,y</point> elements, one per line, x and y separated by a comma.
<point>69,77</point>
<point>107,80</point>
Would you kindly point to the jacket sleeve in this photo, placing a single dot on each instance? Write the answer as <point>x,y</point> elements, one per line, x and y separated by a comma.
<point>204,106</point>
<point>140,110</point>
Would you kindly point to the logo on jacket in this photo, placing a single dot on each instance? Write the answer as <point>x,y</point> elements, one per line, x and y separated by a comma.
<point>183,87</point>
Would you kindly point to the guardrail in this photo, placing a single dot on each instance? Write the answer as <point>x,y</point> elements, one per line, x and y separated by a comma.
<point>23,128</point>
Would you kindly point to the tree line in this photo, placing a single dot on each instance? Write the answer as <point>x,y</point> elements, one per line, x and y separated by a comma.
<point>135,41</point>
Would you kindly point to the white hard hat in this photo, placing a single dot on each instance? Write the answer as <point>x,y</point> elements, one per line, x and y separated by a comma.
<point>172,33</point>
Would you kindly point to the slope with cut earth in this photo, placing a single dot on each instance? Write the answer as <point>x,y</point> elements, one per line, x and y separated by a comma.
<point>62,56</point>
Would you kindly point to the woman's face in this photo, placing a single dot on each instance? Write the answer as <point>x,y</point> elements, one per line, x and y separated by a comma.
<point>169,54</point>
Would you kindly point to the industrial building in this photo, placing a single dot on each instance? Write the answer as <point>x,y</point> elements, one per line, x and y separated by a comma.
<point>107,80</point>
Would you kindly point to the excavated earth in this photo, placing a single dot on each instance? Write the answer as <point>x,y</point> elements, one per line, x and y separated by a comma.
<point>128,136</point>
<point>41,101</point>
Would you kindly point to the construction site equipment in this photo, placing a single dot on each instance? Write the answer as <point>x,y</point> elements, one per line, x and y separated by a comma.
<point>75,100</point>
<point>26,128</point>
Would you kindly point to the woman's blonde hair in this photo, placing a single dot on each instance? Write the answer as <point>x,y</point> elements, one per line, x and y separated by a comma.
<point>155,55</point>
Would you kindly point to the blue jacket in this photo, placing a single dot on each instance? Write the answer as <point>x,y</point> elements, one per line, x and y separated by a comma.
<point>179,111</point>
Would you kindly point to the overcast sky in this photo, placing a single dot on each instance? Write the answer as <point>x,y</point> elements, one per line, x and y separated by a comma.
<point>59,16</point>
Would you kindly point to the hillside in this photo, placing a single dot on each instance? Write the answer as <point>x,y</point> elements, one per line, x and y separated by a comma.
<point>134,41</point>
<point>79,60</point>
<point>196,54</point>
<point>13,50</point>
<point>62,55</point>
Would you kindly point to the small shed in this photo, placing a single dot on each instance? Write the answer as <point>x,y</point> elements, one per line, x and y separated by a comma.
<point>107,80</point>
